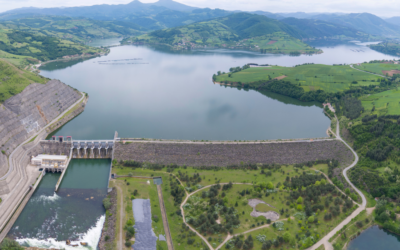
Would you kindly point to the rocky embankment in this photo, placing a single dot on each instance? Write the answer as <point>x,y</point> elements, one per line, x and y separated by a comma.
<point>196,154</point>
<point>24,114</point>
<point>110,223</point>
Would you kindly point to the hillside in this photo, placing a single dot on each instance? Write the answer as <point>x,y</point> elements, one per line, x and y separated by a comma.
<point>146,16</point>
<point>14,80</point>
<point>393,20</point>
<point>390,48</point>
<point>78,30</point>
<point>237,31</point>
<point>309,77</point>
<point>321,29</point>
<point>40,46</point>
<point>364,22</point>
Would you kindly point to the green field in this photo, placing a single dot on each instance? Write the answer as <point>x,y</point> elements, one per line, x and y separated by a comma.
<point>309,77</point>
<point>386,103</point>
<point>377,68</point>
<point>14,80</point>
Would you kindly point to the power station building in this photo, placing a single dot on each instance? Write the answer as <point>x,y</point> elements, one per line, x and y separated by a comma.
<point>52,161</point>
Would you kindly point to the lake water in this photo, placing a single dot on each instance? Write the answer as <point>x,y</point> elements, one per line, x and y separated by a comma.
<point>375,238</point>
<point>158,93</point>
<point>74,213</point>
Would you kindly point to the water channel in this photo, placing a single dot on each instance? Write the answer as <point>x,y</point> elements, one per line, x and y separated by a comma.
<point>75,212</point>
<point>159,93</point>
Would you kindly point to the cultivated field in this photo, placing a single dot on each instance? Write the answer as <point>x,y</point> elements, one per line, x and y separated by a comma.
<point>225,154</point>
<point>310,77</point>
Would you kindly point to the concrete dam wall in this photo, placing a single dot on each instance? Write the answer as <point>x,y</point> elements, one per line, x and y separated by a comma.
<point>24,114</point>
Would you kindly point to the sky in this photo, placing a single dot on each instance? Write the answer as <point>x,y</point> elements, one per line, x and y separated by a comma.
<point>383,8</point>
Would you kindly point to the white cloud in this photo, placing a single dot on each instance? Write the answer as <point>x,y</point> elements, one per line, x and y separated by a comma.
<point>381,8</point>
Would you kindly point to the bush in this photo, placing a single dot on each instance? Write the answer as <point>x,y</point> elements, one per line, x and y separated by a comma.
<point>128,243</point>
<point>9,244</point>
<point>107,203</point>
<point>129,223</point>
<point>155,218</point>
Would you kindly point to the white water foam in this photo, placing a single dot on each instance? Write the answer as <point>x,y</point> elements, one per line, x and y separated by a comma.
<point>45,198</point>
<point>91,237</point>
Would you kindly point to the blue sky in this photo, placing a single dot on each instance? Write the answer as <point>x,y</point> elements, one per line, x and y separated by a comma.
<point>385,8</point>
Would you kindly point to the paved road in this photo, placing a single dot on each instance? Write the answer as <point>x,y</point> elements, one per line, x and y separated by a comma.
<point>351,65</point>
<point>325,241</point>
<point>11,165</point>
<point>121,216</point>
<point>10,204</point>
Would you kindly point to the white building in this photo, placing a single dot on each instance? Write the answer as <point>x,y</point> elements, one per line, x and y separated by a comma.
<point>53,161</point>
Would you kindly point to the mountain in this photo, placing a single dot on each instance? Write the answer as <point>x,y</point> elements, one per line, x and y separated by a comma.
<point>76,29</point>
<point>364,22</point>
<point>236,31</point>
<point>321,29</point>
<point>172,5</point>
<point>393,20</point>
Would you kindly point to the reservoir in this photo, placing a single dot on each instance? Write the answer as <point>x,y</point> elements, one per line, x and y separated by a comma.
<point>74,213</point>
<point>375,238</point>
<point>158,93</point>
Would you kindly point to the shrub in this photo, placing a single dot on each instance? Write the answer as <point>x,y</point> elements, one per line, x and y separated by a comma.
<point>129,223</point>
<point>106,238</point>
<point>155,218</point>
<point>107,203</point>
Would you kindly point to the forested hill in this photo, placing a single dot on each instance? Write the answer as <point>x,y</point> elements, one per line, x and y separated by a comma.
<point>236,31</point>
<point>78,30</point>
<point>40,46</point>
<point>320,29</point>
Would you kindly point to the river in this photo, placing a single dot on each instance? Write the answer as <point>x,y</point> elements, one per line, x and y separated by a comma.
<point>159,93</point>
<point>75,212</point>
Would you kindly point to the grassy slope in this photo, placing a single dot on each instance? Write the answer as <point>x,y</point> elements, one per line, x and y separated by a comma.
<point>14,80</point>
<point>241,30</point>
<point>40,46</point>
<point>311,77</point>
<point>377,68</point>
<point>386,103</point>
<point>387,48</point>
<point>75,29</point>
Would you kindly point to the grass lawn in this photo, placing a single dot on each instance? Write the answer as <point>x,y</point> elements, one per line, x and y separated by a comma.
<point>377,68</point>
<point>386,103</point>
<point>310,77</point>
<point>264,208</point>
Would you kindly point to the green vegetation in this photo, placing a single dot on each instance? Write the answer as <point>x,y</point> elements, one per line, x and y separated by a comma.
<point>14,80</point>
<point>386,214</point>
<point>237,31</point>
<point>79,30</point>
<point>390,48</point>
<point>309,77</point>
<point>308,205</point>
<point>379,67</point>
<point>384,103</point>
<point>39,46</point>
<point>350,231</point>
<point>10,244</point>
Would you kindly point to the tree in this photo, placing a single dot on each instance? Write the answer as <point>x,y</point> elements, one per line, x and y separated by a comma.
<point>311,219</point>
<point>270,185</point>
<point>107,203</point>
<point>287,236</point>
<point>347,191</point>
<point>9,244</point>
<point>299,207</point>
<point>299,200</point>
<point>323,182</point>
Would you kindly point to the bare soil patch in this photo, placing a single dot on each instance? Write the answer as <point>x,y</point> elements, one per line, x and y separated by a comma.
<point>390,72</point>
<point>272,42</point>
<point>272,215</point>
<point>280,77</point>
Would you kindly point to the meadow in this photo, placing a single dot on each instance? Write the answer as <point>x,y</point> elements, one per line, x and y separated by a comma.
<point>309,77</point>
<point>385,103</point>
<point>377,68</point>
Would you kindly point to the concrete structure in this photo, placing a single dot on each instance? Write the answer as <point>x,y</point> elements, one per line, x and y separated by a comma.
<point>50,160</point>
<point>92,148</point>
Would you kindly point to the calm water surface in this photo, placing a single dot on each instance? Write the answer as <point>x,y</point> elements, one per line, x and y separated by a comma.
<point>163,94</point>
<point>75,212</point>
<point>375,238</point>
